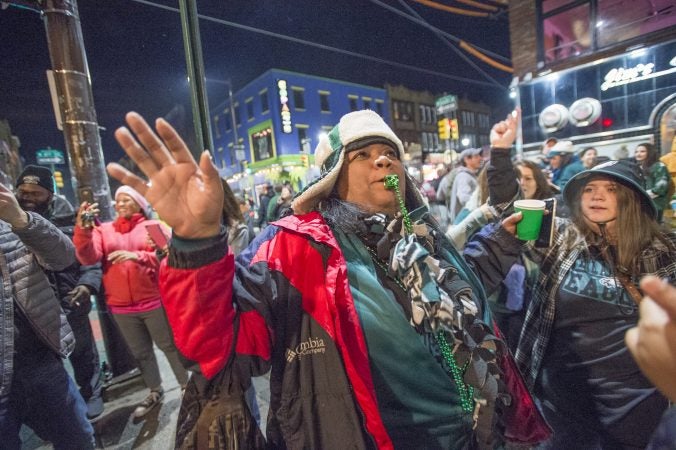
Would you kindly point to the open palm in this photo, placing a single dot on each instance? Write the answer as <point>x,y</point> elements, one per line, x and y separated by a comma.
<point>187,196</point>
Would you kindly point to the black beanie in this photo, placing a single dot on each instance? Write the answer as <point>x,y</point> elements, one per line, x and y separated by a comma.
<point>39,175</point>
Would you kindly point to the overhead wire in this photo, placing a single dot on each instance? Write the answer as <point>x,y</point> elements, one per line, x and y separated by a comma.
<point>478,5</point>
<point>464,45</point>
<point>436,30</point>
<point>452,47</point>
<point>321,46</point>
<point>452,9</point>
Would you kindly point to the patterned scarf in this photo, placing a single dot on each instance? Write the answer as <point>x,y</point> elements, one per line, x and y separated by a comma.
<point>444,306</point>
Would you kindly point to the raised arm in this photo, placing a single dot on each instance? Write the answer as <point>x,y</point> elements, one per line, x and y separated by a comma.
<point>52,248</point>
<point>196,278</point>
<point>182,192</point>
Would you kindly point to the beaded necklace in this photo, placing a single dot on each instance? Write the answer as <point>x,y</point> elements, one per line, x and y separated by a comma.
<point>465,391</point>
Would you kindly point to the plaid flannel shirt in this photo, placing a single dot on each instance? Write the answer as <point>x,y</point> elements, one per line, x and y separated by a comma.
<point>555,262</point>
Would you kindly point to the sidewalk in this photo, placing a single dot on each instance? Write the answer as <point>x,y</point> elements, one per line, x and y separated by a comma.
<point>117,429</point>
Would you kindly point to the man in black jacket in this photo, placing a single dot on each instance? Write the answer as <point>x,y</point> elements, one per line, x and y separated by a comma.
<point>73,286</point>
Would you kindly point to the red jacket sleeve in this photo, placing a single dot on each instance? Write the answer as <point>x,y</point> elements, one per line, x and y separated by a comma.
<point>200,310</point>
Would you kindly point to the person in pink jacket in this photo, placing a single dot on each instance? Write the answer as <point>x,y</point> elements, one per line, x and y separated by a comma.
<point>130,270</point>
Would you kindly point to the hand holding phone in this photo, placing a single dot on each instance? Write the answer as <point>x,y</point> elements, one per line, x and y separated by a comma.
<point>546,235</point>
<point>157,235</point>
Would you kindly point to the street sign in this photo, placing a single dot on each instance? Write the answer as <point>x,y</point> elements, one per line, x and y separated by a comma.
<point>446,104</point>
<point>50,156</point>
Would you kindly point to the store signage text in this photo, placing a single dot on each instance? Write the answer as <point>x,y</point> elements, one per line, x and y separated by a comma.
<point>284,101</point>
<point>621,76</point>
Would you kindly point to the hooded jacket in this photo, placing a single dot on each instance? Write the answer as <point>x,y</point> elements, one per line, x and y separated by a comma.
<point>24,254</point>
<point>296,315</point>
<point>129,282</point>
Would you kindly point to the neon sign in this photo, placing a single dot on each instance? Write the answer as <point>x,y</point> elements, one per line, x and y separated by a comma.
<point>621,76</point>
<point>284,101</point>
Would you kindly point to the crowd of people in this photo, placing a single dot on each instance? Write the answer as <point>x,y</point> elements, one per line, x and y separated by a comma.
<point>385,315</point>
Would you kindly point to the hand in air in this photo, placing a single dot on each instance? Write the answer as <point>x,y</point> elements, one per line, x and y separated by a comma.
<point>187,196</point>
<point>503,133</point>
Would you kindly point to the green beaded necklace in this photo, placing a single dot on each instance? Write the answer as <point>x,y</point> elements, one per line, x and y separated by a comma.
<point>465,391</point>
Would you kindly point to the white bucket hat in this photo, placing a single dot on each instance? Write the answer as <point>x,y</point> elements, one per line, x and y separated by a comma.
<point>355,130</point>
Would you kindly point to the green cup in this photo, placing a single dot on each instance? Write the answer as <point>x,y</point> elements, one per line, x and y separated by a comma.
<point>528,228</point>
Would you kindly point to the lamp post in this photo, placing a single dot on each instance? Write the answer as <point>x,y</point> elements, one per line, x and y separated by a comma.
<point>237,147</point>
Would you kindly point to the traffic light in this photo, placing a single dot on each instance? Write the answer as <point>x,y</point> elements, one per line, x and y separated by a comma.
<point>58,179</point>
<point>455,133</point>
<point>305,160</point>
<point>444,129</point>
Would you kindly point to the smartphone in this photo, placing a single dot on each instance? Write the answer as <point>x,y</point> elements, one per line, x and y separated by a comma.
<point>157,235</point>
<point>546,235</point>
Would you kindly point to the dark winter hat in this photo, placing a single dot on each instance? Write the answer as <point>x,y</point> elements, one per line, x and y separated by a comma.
<point>38,175</point>
<point>624,172</point>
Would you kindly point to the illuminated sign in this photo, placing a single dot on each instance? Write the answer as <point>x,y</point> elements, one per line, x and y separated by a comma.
<point>284,101</point>
<point>621,76</point>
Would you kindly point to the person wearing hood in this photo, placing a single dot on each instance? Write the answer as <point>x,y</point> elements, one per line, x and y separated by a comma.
<point>465,182</point>
<point>130,278</point>
<point>571,349</point>
<point>376,331</point>
<point>564,163</point>
<point>73,286</point>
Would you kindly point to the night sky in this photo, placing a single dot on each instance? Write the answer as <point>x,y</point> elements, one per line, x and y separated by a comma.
<point>136,59</point>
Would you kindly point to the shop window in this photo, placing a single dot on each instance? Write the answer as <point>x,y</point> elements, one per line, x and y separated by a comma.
<point>298,98</point>
<point>619,20</point>
<point>249,109</point>
<point>324,102</point>
<point>551,5</point>
<point>367,102</point>
<point>227,124</point>
<point>379,108</point>
<point>567,34</point>
<point>265,104</point>
<point>353,103</point>
<point>403,111</point>
<point>303,141</point>
<point>568,30</point>
<point>238,116</point>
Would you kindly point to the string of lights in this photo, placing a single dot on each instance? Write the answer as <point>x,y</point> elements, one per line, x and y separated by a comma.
<point>323,46</point>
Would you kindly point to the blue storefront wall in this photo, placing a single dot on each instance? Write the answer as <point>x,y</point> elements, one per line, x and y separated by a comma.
<point>268,135</point>
<point>632,88</point>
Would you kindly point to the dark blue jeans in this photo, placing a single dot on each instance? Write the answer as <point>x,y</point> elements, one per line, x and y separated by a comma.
<point>45,398</point>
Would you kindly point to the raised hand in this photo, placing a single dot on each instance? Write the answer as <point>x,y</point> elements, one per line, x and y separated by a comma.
<point>87,215</point>
<point>187,196</point>
<point>10,211</point>
<point>652,341</point>
<point>503,133</point>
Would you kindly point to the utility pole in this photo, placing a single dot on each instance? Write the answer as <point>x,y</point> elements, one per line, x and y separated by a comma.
<point>76,103</point>
<point>237,147</point>
<point>195,68</point>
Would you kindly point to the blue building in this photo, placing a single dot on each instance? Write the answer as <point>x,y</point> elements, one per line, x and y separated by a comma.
<point>279,117</point>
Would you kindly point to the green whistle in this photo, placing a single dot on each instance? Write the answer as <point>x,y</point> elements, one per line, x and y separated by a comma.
<point>392,183</point>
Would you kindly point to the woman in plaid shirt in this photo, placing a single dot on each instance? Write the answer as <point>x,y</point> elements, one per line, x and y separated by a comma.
<point>571,350</point>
